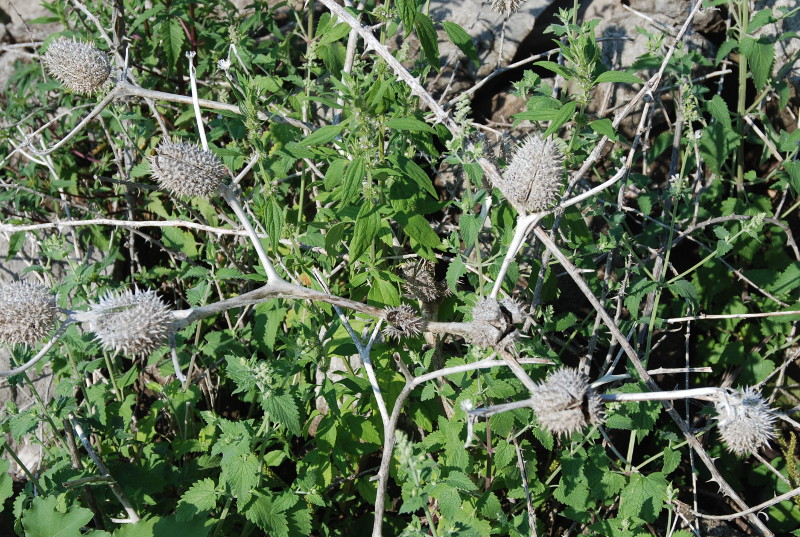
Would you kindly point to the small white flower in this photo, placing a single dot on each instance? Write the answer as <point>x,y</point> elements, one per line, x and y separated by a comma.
<point>224,64</point>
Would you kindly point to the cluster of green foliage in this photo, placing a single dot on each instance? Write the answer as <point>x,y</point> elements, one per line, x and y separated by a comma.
<point>277,431</point>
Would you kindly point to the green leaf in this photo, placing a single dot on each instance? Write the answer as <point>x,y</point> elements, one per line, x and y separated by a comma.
<point>168,526</point>
<point>172,38</point>
<point>792,167</point>
<point>407,10</point>
<point>788,281</point>
<point>267,322</point>
<point>420,230</point>
<point>718,109</point>
<point>636,294</point>
<point>322,136</point>
<point>22,424</point>
<point>283,409</point>
<point>264,513</point>
<point>15,244</point>
<point>685,289</point>
<point>411,169</point>
<point>410,124</point>
<point>200,498</point>
<point>760,19</point>
<point>6,483</point>
<point>760,56</point>
<point>618,76</point>
<point>462,40</point>
<point>353,179</point>
<point>564,115</point>
<point>605,127</point>
<point>566,72</point>
<point>427,38</point>
<point>43,519</point>
<point>672,459</point>
<point>644,496</point>
<point>240,470</point>
<point>455,270</point>
<point>365,231</point>
<point>177,239</point>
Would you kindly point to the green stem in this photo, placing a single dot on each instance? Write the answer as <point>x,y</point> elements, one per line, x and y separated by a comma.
<point>740,105</point>
<point>113,377</point>
<point>222,516</point>
<point>24,468</point>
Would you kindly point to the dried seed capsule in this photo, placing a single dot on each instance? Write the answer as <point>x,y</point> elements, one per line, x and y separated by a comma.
<point>80,67</point>
<point>132,323</point>
<point>186,170</point>
<point>532,182</point>
<point>566,402</point>
<point>506,6</point>
<point>745,421</point>
<point>403,322</point>
<point>420,282</point>
<point>27,313</point>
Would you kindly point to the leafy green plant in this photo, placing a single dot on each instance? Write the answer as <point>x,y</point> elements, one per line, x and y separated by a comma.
<point>273,318</point>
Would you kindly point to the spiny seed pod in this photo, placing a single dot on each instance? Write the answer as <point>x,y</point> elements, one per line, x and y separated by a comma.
<point>27,313</point>
<point>506,6</point>
<point>514,309</point>
<point>135,323</point>
<point>532,182</point>
<point>420,282</point>
<point>484,336</point>
<point>403,322</point>
<point>186,170</point>
<point>487,310</point>
<point>566,402</point>
<point>80,67</point>
<point>745,420</point>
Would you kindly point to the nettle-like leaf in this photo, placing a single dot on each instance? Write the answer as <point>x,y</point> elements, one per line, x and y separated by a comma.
<point>201,497</point>
<point>644,496</point>
<point>45,519</point>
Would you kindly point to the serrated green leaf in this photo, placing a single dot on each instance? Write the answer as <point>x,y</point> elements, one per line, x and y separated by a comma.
<point>410,124</point>
<point>365,231</point>
<point>461,481</point>
<point>644,496</point>
<point>427,38</point>
<point>462,40</point>
<point>353,178</point>
<point>240,471</point>
<point>566,72</point>
<point>636,294</point>
<point>407,10</point>
<point>177,239</point>
<point>172,39</point>
<point>44,520</point>
<point>788,281</point>
<point>282,409</point>
<point>22,424</point>
<point>322,135</point>
<point>618,76</point>
<point>564,115</point>
<point>420,230</point>
<point>455,270</point>
<point>411,169</point>
<point>760,56</point>
<point>201,497</point>
<point>605,127</point>
<point>685,289</point>
<point>792,168</point>
<point>759,19</point>
<point>672,459</point>
<point>718,109</point>
<point>6,483</point>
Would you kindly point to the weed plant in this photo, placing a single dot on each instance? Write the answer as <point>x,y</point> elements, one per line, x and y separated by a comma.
<point>287,286</point>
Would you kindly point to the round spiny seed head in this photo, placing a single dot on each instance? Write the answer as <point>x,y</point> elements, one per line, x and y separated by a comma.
<point>566,402</point>
<point>514,309</point>
<point>80,67</point>
<point>403,322</point>
<point>487,310</point>
<point>532,182</point>
<point>27,313</point>
<point>506,6</point>
<point>135,323</point>
<point>483,335</point>
<point>420,282</point>
<point>186,170</point>
<point>745,420</point>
